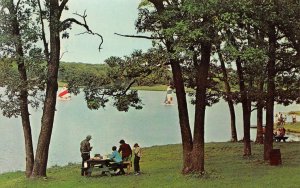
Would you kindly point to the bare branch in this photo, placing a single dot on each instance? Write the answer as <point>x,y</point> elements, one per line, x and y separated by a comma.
<point>62,6</point>
<point>62,55</point>
<point>17,6</point>
<point>88,30</point>
<point>139,36</point>
<point>128,87</point>
<point>46,49</point>
<point>254,109</point>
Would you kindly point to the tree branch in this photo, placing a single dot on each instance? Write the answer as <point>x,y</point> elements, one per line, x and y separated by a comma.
<point>46,49</point>
<point>63,55</point>
<point>17,6</point>
<point>139,36</point>
<point>128,87</point>
<point>62,6</point>
<point>88,30</point>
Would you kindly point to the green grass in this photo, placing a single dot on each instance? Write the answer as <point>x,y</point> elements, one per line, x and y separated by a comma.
<point>151,88</point>
<point>292,127</point>
<point>294,112</point>
<point>161,165</point>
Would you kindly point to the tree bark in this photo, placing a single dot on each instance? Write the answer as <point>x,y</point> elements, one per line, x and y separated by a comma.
<point>228,97</point>
<point>202,82</point>
<point>23,97</point>
<point>186,135</point>
<point>259,122</point>
<point>268,142</point>
<point>193,152</point>
<point>41,159</point>
<point>246,109</point>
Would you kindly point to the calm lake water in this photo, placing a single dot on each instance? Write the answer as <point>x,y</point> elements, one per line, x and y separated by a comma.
<point>155,124</point>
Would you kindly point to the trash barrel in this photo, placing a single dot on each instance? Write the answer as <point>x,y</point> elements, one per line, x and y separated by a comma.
<point>275,157</point>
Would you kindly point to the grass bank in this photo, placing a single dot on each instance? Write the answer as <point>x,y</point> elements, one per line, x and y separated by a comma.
<point>292,127</point>
<point>161,165</point>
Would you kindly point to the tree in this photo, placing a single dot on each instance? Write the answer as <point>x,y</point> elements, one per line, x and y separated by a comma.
<point>54,9</point>
<point>186,29</point>
<point>273,20</point>
<point>19,33</point>
<point>228,94</point>
<point>114,84</point>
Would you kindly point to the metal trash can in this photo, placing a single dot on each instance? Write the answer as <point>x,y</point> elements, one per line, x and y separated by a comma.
<point>275,157</point>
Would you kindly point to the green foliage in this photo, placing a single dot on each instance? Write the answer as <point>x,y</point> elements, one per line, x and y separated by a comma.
<point>18,29</point>
<point>113,80</point>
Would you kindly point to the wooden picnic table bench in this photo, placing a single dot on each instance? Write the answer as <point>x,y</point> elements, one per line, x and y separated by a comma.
<point>279,138</point>
<point>105,166</point>
<point>102,165</point>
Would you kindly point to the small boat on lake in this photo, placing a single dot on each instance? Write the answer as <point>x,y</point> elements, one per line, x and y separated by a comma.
<point>64,94</point>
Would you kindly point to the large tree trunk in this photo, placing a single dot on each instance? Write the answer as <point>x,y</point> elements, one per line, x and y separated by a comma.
<point>259,122</point>
<point>23,97</point>
<point>268,142</point>
<point>193,153</point>
<point>246,109</point>
<point>197,163</point>
<point>41,159</point>
<point>228,97</point>
<point>186,135</point>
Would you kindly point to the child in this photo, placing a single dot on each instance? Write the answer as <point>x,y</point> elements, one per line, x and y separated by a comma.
<point>116,157</point>
<point>137,156</point>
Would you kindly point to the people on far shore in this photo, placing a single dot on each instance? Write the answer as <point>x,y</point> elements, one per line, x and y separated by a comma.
<point>294,118</point>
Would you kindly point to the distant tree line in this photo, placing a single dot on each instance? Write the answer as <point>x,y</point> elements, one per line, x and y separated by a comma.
<point>79,71</point>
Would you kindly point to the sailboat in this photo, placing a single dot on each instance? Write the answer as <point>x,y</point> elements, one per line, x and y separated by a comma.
<point>64,94</point>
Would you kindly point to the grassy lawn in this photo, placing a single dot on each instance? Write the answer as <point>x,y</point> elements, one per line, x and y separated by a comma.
<point>160,165</point>
<point>292,127</point>
<point>151,88</point>
<point>294,112</point>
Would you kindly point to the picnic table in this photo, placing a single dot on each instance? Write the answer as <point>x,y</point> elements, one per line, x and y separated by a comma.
<point>279,138</point>
<point>105,166</point>
<point>102,165</point>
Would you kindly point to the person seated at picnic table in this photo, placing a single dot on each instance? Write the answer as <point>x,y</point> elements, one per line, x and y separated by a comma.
<point>118,162</point>
<point>280,132</point>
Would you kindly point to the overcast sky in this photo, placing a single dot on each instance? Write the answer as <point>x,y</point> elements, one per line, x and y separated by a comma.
<point>105,17</point>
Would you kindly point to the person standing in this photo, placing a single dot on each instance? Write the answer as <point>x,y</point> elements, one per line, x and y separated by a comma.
<point>169,97</point>
<point>137,156</point>
<point>126,151</point>
<point>294,119</point>
<point>85,149</point>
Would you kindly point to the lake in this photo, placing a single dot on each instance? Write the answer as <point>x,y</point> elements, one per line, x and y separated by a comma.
<point>155,124</point>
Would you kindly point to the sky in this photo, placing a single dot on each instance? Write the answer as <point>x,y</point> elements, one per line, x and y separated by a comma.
<point>105,17</point>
